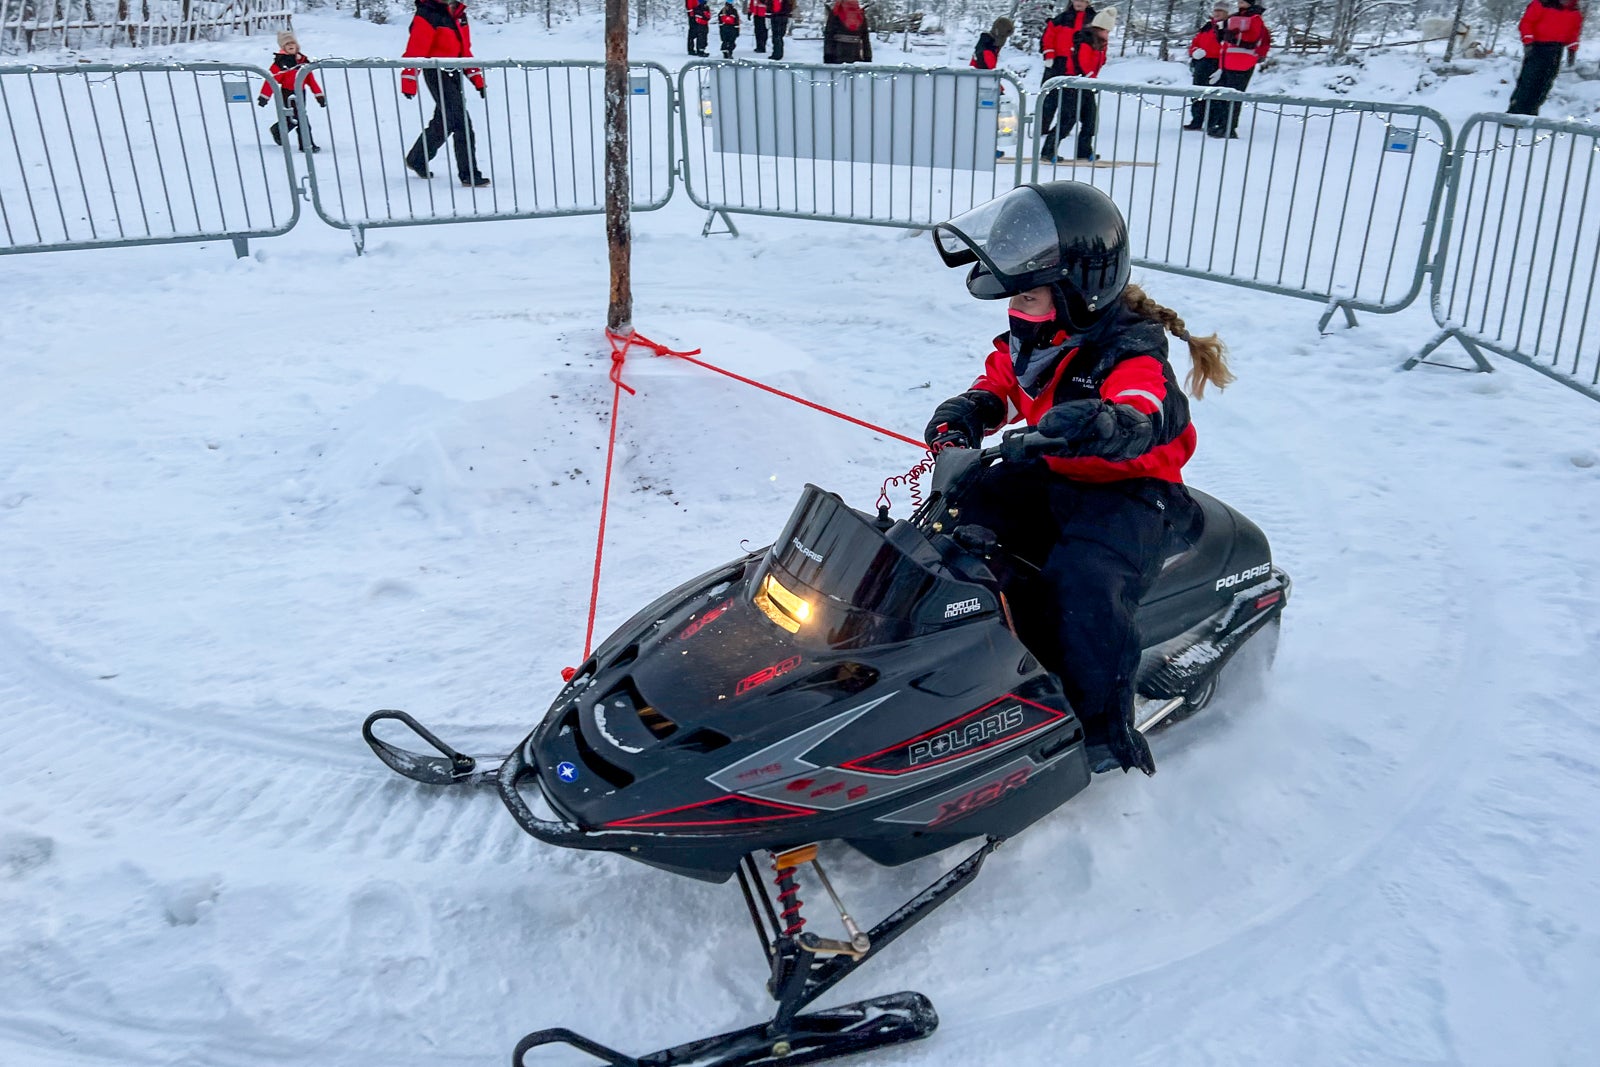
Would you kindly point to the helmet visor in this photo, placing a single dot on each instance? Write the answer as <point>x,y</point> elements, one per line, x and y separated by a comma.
<point>1012,238</point>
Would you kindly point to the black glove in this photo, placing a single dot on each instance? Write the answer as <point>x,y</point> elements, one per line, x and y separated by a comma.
<point>1096,428</point>
<point>1572,56</point>
<point>1131,749</point>
<point>483,91</point>
<point>961,420</point>
<point>322,101</point>
<point>261,101</point>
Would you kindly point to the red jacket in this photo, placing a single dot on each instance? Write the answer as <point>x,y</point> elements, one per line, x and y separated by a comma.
<point>756,9</point>
<point>1058,35</point>
<point>1143,382</point>
<point>728,18</point>
<point>1543,24</point>
<point>1206,42</point>
<point>986,54</point>
<point>284,68</point>
<point>1086,57</point>
<point>1245,40</point>
<point>438,31</point>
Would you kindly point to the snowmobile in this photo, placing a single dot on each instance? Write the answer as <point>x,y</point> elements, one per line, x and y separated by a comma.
<point>861,681</point>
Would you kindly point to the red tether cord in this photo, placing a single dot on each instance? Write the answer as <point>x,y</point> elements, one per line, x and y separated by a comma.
<point>620,343</point>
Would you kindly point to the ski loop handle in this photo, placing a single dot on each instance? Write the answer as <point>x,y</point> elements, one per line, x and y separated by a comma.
<point>451,768</point>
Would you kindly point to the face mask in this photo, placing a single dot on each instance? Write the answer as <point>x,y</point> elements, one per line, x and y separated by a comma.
<point>1028,330</point>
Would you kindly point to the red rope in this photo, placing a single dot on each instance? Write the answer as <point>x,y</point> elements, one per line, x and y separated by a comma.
<point>620,343</point>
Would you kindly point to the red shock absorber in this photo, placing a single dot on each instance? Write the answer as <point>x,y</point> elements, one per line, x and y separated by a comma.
<point>789,902</point>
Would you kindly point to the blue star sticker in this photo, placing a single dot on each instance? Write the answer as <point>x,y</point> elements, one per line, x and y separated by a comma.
<point>567,772</point>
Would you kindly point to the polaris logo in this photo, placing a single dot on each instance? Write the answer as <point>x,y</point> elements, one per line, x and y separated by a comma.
<point>962,607</point>
<point>1244,576</point>
<point>973,734</point>
<point>815,557</point>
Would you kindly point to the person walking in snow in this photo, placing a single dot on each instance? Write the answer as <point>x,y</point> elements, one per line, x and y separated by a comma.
<point>439,30</point>
<point>778,12</point>
<point>1080,107</point>
<point>728,26</point>
<point>757,10</point>
<point>986,53</point>
<point>688,11</point>
<point>699,27</point>
<point>1054,46</point>
<point>1245,42</point>
<point>1204,51</point>
<point>283,72</point>
<point>1547,27</point>
<point>847,36</point>
<point>1084,360</point>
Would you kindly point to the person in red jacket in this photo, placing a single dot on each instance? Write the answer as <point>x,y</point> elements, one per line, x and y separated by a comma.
<point>699,27</point>
<point>1084,361</point>
<point>283,72</point>
<point>728,27</point>
<point>778,12</point>
<point>1245,42</point>
<point>439,30</point>
<point>987,51</point>
<point>1204,51</point>
<point>1547,27</point>
<point>757,10</point>
<point>847,35</point>
<point>1054,45</point>
<point>1080,107</point>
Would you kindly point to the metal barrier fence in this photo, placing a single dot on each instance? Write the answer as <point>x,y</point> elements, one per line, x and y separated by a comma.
<point>1326,200</point>
<point>1519,256</point>
<point>885,146</point>
<point>151,153</point>
<point>537,135</point>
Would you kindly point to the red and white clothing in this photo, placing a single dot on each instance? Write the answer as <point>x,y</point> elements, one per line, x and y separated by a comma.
<point>439,31</point>
<point>1245,39</point>
<point>1058,37</point>
<point>285,68</point>
<point>1551,22</point>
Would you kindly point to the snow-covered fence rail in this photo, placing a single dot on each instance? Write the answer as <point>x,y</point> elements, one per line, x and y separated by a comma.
<point>537,136</point>
<point>26,25</point>
<point>886,146</point>
<point>1328,200</point>
<point>100,155</point>
<point>1518,270</point>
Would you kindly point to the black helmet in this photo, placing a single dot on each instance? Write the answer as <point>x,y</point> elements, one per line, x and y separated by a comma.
<point>1064,234</point>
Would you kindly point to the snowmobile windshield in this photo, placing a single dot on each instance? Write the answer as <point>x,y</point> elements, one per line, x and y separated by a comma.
<point>1012,239</point>
<point>833,577</point>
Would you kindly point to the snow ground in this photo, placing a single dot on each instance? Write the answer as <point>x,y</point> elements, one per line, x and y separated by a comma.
<point>243,503</point>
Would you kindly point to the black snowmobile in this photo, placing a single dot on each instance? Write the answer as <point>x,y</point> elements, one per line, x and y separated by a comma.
<point>859,680</point>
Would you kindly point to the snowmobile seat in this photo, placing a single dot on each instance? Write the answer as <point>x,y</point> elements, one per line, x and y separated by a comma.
<point>1202,547</point>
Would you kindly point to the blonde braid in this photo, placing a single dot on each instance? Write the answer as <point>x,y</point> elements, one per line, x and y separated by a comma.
<point>1208,355</point>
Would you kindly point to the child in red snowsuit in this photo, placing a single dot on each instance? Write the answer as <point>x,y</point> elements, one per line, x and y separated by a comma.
<point>284,71</point>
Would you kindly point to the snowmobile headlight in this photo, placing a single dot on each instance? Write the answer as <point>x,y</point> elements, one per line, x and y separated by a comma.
<point>783,606</point>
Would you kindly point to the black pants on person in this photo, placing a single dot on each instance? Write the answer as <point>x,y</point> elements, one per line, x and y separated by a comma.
<point>1098,548</point>
<point>291,124</point>
<point>449,119</point>
<point>780,26</point>
<point>1202,69</point>
<point>691,33</point>
<point>699,36</point>
<point>760,23</point>
<point>730,40</point>
<point>1540,64</point>
<point>1224,118</point>
<point>1063,110</point>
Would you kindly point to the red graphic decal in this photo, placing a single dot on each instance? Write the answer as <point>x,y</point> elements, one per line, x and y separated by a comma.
<point>981,797</point>
<point>705,620</point>
<point>758,772</point>
<point>827,789</point>
<point>999,722</point>
<point>766,674</point>
<point>719,811</point>
<point>857,793</point>
<point>800,783</point>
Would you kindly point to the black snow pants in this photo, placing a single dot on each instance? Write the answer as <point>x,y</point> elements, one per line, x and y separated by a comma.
<point>1540,64</point>
<point>1224,118</point>
<point>730,40</point>
<point>449,119</point>
<point>780,26</point>
<point>292,124</point>
<point>1202,70</point>
<point>1076,108</point>
<point>760,23</point>
<point>1098,548</point>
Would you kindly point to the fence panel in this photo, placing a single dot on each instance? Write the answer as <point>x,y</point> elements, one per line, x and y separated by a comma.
<point>538,136</point>
<point>100,155</point>
<point>1329,200</point>
<point>1520,253</point>
<point>887,146</point>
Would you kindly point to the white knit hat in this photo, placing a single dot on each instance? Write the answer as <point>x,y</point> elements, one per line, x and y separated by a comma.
<point>1105,20</point>
<point>286,41</point>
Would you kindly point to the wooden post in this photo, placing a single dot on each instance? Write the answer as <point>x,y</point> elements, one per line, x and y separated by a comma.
<point>619,313</point>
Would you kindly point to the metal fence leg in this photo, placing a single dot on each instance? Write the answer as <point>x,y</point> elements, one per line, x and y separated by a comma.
<point>1481,363</point>
<point>1327,316</point>
<point>241,247</point>
<point>359,236</point>
<point>707,231</point>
